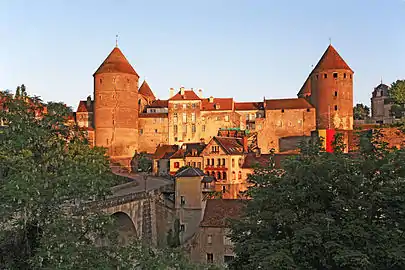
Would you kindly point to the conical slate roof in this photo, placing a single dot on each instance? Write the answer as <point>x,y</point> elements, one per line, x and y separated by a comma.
<point>146,91</point>
<point>331,60</point>
<point>116,63</point>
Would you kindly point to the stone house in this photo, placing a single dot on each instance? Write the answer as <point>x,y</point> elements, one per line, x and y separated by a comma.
<point>161,159</point>
<point>212,244</point>
<point>190,186</point>
<point>223,158</point>
<point>189,154</point>
<point>381,105</point>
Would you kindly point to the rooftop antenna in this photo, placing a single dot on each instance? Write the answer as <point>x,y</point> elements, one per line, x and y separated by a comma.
<point>116,40</point>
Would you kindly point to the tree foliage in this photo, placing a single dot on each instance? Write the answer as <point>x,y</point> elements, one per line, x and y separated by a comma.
<point>47,172</point>
<point>361,112</point>
<point>397,92</point>
<point>326,211</point>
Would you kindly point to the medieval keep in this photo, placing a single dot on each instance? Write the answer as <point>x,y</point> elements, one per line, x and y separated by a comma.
<point>127,118</point>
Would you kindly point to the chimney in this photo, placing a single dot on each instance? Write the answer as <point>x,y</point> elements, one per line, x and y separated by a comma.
<point>88,102</point>
<point>171,92</point>
<point>245,144</point>
<point>211,98</point>
<point>200,93</point>
<point>182,90</point>
<point>258,154</point>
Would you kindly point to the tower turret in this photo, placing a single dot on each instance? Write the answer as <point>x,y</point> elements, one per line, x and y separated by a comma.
<point>331,84</point>
<point>116,107</point>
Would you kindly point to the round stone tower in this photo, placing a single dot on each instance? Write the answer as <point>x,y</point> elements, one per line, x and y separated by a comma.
<point>331,84</point>
<point>116,107</point>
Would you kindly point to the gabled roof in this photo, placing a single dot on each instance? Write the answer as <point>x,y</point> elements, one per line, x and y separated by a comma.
<point>219,211</point>
<point>288,103</point>
<point>248,106</point>
<point>189,172</point>
<point>188,95</point>
<point>186,150</point>
<point>116,63</point>
<point>146,91</point>
<point>84,106</point>
<point>159,104</point>
<point>331,60</point>
<point>230,145</point>
<point>164,150</point>
<point>220,104</point>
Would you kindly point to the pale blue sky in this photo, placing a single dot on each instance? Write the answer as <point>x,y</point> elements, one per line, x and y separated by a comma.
<point>242,49</point>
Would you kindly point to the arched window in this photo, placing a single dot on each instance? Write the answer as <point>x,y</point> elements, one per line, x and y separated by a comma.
<point>208,162</point>
<point>233,176</point>
<point>224,175</point>
<point>218,162</point>
<point>240,175</point>
<point>218,175</point>
<point>223,162</point>
<point>212,162</point>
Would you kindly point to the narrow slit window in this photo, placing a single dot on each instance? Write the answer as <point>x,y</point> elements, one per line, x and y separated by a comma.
<point>325,76</point>
<point>336,107</point>
<point>336,94</point>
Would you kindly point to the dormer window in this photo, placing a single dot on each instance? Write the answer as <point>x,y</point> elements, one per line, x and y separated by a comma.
<point>282,110</point>
<point>217,106</point>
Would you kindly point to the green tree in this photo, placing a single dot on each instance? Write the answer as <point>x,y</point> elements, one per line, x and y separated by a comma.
<point>326,211</point>
<point>397,92</point>
<point>361,112</point>
<point>47,173</point>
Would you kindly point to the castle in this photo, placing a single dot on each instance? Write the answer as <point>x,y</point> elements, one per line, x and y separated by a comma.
<point>127,118</point>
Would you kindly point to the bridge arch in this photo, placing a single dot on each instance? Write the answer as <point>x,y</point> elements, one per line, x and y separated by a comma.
<point>125,227</point>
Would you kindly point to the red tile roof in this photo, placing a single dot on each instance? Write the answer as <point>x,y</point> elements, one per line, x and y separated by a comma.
<point>188,95</point>
<point>116,63</point>
<point>84,107</point>
<point>219,211</point>
<point>331,60</point>
<point>289,103</point>
<point>231,146</point>
<point>146,91</point>
<point>164,150</point>
<point>153,115</point>
<point>248,106</point>
<point>187,150</point>
<point>222,104</point>
<point>159,104</point>
<point>306,88</point>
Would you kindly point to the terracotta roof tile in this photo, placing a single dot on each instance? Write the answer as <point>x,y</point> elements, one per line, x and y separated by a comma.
<point>153,115</point>
<point>219,211</point>
<point>164,150</point>
<point>222,104</point>
<point>159,104</point>
<point>84,107</point>
<point>331,60</point>
<point>116,63</point>
<point>146,91</point>
<point>188,95</point>
<point>306,88</point>
<point>187,150</point>
<point>289,103</point>
<point>231,146</point>
<point>248,106</point>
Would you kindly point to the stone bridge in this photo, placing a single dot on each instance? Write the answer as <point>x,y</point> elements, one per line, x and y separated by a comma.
<point>142,209</point>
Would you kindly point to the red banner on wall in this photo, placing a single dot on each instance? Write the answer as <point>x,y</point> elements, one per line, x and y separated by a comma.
<point>330,137</point>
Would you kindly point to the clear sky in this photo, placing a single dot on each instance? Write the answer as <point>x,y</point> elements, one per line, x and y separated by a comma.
<point>229,48</point>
